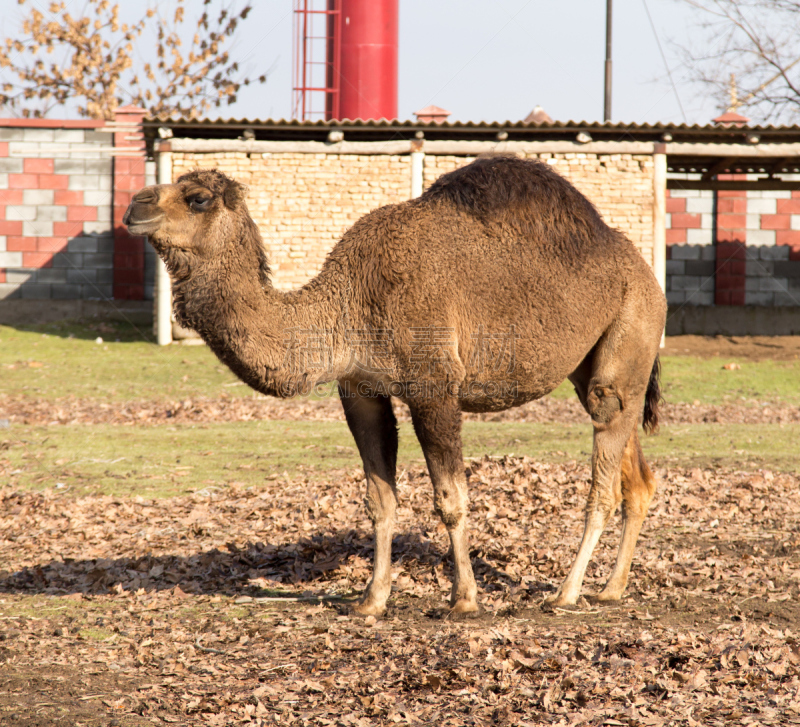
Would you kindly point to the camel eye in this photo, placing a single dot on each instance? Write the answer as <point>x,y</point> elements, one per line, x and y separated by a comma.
<point>200,204</point>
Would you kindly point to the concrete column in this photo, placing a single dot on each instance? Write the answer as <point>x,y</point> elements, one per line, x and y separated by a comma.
<point>417,167</point>
<point>163,288</point>
<point>660,215</point>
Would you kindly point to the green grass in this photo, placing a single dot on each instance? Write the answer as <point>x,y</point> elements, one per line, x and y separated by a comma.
<point>161,461</point>
<point>45,362</point>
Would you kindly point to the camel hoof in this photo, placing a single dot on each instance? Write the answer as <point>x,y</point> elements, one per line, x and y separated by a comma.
<point>367,609</point>
<point>463,607</point>
<point>606,596</point>
<point>557,600</point>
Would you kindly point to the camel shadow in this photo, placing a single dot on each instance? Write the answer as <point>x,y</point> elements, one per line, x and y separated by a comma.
<point>240,571</point>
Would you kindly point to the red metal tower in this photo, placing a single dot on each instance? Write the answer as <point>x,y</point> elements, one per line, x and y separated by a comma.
<point>358,77</point>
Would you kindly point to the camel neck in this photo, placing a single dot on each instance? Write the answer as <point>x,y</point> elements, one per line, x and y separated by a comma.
<point>281,343</point>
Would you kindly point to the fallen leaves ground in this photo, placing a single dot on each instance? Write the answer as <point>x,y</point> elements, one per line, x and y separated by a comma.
<point>225,607</point>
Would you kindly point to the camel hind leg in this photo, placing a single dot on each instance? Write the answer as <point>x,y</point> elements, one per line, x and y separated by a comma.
<point>374,427</point>
<point>611,384</point>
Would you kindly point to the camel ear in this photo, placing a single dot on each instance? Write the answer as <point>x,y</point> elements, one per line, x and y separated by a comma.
<point>234,194</point>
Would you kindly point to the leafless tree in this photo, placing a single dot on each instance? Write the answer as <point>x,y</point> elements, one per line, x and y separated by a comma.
<point>749,56</point>
<point>97,60</point>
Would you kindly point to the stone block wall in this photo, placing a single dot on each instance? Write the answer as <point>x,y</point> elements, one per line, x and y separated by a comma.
<point>304,202</point>
<point>736,247</point>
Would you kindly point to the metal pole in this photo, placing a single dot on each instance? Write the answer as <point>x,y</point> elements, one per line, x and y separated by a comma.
<point>607,102</point>
<point>163,287</point>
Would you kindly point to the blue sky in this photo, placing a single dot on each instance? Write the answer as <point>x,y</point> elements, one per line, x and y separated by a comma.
<point>488,60</point>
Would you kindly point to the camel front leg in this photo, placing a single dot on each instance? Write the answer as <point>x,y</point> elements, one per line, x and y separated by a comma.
<point>374,427</point>
<point>437,423</point>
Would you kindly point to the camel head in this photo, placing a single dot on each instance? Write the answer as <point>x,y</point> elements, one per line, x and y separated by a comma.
<point>199,215</point>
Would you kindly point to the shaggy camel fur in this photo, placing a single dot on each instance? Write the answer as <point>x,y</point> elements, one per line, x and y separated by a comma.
<point>484,293</point>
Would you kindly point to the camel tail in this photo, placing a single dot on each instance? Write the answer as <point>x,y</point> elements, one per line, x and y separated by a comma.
<point>652,399</point>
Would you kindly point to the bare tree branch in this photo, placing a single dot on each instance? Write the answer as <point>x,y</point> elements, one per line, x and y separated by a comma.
<point>97,64</point>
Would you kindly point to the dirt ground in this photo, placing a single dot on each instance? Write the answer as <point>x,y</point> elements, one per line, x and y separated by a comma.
<point>230,606</point>
<point>750,348</point>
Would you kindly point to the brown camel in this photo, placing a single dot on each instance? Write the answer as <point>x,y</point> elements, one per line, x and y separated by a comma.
<point>484,293</point>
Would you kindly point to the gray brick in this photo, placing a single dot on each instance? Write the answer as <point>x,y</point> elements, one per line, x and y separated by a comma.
<point>700,237</point>
<point>774,285</point>
<point>52,275</point>
<point>676,297</point>
<point>760,268</point>
<point>67,260</point>
<point>97,228</point>
<point>19,277</point>
<point>676,267</point>
<point>69,135</point>
<point>759,298</point>
<point>752,253</point>
<point>104,276</point>
<point>699,205</point>
<point>708,252</point>
<point>98,260</point>
<point>761,237</point>
<point>787,269</point>
<point>9,290</point>
<point>98,166</point>
<point>752,284</point>
<point>69,166</point>
<point>82,244</point>
<point>84,181</point>
<point>3,182</point>
<point>67,292</point>
<point>81,276</point>
<point>38,135</point>
<point>149,292</point>
<point>10,259</point>
<point>99,292</point>
<point>774,252</point>
<point>37,196</point>
<point>699,297</point>
<point>700,267</point>
<point>53,212</point>
<point>21,212</point>
<point>24,148</point>
<point>37,228</point>
<point>789,298</point>
<point>685,252</point>
<point>7,134</point>
<point>98,137</point>
<point>95,198</point>
<point>686,282</point>
<point>105,243</point>
<point>35,292</point>
<point>11,166</point>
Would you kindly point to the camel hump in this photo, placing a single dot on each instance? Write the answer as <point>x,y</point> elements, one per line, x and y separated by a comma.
<point>524,193</point>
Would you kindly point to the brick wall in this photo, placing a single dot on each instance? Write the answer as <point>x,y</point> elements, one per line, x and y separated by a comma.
<point>737,247</point>
<point>304,202</point>
<point>57,183</point>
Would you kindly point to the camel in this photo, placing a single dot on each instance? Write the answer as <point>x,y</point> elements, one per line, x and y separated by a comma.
<point>487,291</point>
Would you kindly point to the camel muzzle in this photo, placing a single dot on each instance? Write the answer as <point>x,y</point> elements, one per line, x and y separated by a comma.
<point>142,212</point>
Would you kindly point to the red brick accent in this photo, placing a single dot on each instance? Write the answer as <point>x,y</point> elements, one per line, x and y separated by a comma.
<point>3,149</point>
<point>21,244</point>
<point>67,229</point>
<point>53,181</point>
<point>37,166</point>
<point>676,204</point>
<point>67,196</point>
<point>82,213</point>
<point>51,244</point>
<point>730,271</point>
<point>54,123</point>
<point>10,227</point>
<point>11,196</point>
<point>2,275</point>
<point>787,237</point>
<point>789,206</point>
<point>2,212</point>
<point>676,237</point>
<point>686,221</point>
<point>128,178</point>
<point>23,181</point>
<point>732,206</point>
<point>669,251</point>
<point>794,252</point>
<point>37,260</point>
<point>776,222</point>
<point>732,222</point>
